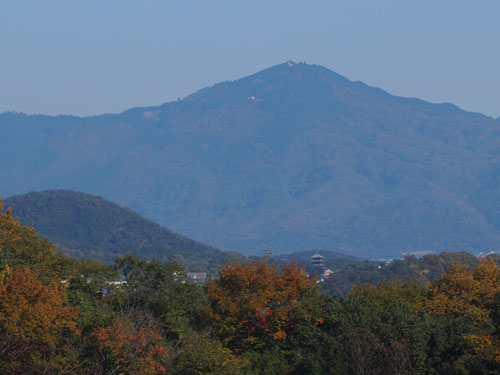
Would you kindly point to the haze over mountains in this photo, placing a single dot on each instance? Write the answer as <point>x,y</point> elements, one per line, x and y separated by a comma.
<point>294,157</point>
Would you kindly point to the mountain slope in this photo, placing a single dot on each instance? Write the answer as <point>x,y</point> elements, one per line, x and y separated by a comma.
<point>83,225</point>
<point>293,157</point>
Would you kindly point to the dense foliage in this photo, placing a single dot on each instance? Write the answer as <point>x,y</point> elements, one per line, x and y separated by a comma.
<point>86,226</point>
<point>64,316</point>
<point>351,272</point>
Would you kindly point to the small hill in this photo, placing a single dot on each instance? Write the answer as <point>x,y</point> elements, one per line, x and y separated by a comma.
<point>87,226</point>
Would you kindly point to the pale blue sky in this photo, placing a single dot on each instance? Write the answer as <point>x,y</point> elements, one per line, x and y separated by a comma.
<point>91,57</point>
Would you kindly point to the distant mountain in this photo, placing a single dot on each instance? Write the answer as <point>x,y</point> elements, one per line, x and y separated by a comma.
<point>83,225</point>
<point>293,157</point>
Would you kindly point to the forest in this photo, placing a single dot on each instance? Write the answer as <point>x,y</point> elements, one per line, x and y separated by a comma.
<point>60,315</point>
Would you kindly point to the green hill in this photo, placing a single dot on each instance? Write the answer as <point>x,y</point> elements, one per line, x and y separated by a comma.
<point>87,226</point>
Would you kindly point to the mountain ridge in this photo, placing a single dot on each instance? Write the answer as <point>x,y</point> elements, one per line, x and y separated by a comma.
<point>291,157</point>
<point>215,85</point>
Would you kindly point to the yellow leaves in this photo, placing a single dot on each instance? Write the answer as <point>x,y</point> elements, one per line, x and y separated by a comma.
<point>7,216</point>
<point>466,292</point>
<point>5,272</point>
<point>485,344</point>
<point>479,342</point>
<point>279,335</point>
<point>385,292</point>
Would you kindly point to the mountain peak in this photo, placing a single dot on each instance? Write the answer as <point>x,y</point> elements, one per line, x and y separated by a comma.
<point>293,80</point>
<point>292,157</point>
<point>312,70</point>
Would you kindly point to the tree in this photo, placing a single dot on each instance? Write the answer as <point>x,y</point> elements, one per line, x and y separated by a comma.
<point>128,350</point>
<point>411,293</point>
<point>255,302</point>
<point>470,295</point>
<point>385,339</point>
<point>159,288</point>
<point>465,292</point>
<point>33,322</point>
<point>200,353</point>
<point>21,246</point>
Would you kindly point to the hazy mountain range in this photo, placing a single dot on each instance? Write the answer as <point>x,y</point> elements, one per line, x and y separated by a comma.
<point>294,157</point>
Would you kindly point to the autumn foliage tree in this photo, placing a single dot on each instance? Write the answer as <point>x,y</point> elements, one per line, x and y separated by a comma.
<point>128,350</point>
<point>21,246</point>
<point>462,291</point>
<point>256,301</point>
<point>472,294</point>
<point>33,321</point>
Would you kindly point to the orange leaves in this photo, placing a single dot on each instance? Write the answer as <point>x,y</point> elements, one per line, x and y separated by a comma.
<point>32,312</point>
<point>469,293</point>
<point>479,342</point>
<point>279,335</point>
<point>466,292</point>
<point>34,323</point>
<point>135,351</point>
<point>256,300</point>
<point>488,344</point>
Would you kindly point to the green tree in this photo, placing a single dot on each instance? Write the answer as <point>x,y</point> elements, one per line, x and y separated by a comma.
<point>199,353</point>
<point>391,339</point>
<point>465,302</point>
<point>159,288</point>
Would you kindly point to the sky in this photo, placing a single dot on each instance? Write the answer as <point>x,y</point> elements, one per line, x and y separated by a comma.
<point>92,57</point>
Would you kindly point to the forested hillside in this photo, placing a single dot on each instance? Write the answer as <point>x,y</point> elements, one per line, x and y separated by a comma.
<point>293,157</point>
<point>87,226</point>
<point>64,316</point>
<point>349,272</point>
<point>422,271</point>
